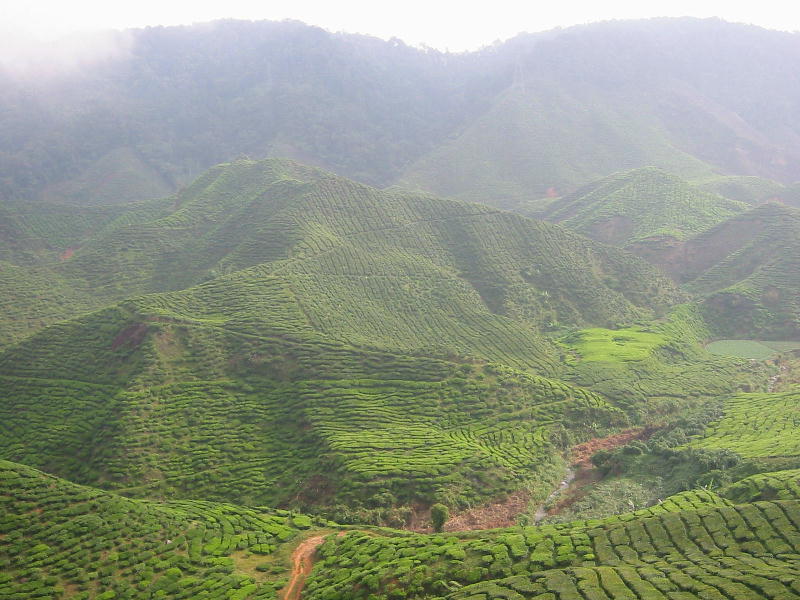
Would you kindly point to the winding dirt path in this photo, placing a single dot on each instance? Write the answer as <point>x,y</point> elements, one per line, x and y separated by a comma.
<point>302,563</point>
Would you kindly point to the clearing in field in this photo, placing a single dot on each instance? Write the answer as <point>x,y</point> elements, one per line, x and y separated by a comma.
<point>751,348</point>
<point>614,345</point>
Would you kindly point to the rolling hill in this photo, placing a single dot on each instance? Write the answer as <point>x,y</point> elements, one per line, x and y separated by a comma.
<point>85,543</point>
<point>317,231</point>
<point>641,208</point>
<point>273,340</point>
<point>64,540</point>
<point>322,344</point>
<point>737,260</point>
<point>746,270</point>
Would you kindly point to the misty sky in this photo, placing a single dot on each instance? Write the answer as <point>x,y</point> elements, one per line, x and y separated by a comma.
<point>442,24</point>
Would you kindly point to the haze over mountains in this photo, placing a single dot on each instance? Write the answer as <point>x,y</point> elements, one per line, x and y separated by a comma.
<point>508,123</point>
<point>266,289</point>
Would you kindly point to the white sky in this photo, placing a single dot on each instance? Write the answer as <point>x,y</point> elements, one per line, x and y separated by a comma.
<point>454,25</point>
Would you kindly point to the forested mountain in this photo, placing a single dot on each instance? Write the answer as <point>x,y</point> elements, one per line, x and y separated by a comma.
<point>540,114</point>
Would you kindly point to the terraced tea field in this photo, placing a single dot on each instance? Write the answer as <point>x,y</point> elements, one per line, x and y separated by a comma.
<point>778,485</point>
<point>689,549</point>
<point>465,434</point>
<point>757,426</point>
<point>59,540</point>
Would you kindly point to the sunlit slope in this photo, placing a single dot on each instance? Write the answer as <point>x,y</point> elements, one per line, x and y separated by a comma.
<point>63,539</point>
<point>695,546</point>
<point>58,539</point>
<point>757,426</point>
<point>640,207</point>
<point>191,405</point>
<point>355,256</point>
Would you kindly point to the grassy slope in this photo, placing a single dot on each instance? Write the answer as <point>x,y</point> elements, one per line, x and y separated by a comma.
<point>388,306</point>
<point>35,240</point>
<point>748,189</point>
<point>260,405</point>
<point>740,263</point>
<point>58,539</point>
<point>645,205</point>
<point>656,367</point>
<point>757,426</point>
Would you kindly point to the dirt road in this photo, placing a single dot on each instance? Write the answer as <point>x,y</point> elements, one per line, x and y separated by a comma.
<point>302,562</point>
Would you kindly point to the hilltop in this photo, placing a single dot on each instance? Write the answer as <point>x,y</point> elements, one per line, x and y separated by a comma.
<point>643,207</point>
<point>317,231</point>
<point>737,259</point>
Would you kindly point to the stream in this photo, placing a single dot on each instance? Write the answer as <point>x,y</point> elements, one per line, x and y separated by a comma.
<point>541,512</point>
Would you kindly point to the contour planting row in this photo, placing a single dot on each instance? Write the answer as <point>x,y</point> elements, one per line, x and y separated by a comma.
<point>757,426</point>
<point>62,539</point>
<point>481,432</point>
<point>673,553</point>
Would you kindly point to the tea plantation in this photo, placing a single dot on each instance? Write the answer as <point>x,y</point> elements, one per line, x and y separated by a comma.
<point>695,546</point>
<point>274,335</point>
<point>61,540</point>
<point>643,206</point>
<point>757,426</point>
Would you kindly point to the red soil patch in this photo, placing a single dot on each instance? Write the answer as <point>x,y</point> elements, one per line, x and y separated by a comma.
<point>491,516</point>
<point>582,453</point>
<point>68,253</point>
<point>586,474</point>
<point>552,192</point>
<point>132,335</point>
<point>302,563</point>
<point>502,513</point>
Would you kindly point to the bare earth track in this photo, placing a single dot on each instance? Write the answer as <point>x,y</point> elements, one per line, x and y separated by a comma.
<point>302,563</point>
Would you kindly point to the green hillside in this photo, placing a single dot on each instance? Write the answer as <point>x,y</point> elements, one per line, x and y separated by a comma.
<point>696,547</point>
<point>36,232</point>
<point>746,269</point>
<point>195,406</point>
<point>748,189</point>
<point>351,350</point>
<point>541,139</point>
<point>309,231</point>
<point>547,306</point>
<point>61,540</point>
<point>778,485</point>
<point>643,207</point>
<point>757,426</point>
<point>538,114</point>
